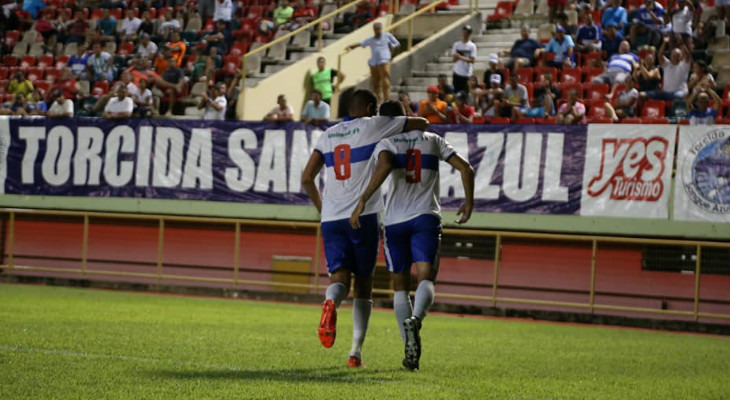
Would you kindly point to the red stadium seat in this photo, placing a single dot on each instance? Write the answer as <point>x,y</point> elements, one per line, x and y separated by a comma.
<point>4,73</point>
<point>503,10</point>
<point>97,13</point>
<point>116,13</point>
<point>599,120</point>
<point>631,120</point>
<point>232,60</point>
<point>34,74</point>
<point>100,88</point>
<point>53,74</point>
<point>500,121</point>
<point>255,12</point>
<point>3,85</point>
<point>567,87</point>
<point>525,75</point>
<point>726,96</point>
<point>545,121</point>
<point>27,61</point>
<point>62,61</point>
<point>591,73</point>
<point>239,49</point>
<point>11,38</point>
<point>126,49</point>
<point>597,109</point>
<point>571,75</point>
<point>655,121</point>
<point>45,86</point>
<point>653,109</point>
<point>45,61</point>
<point>526,121</point>
<point>596,91</point>
<point>11,61</point>
<point>588,57</point>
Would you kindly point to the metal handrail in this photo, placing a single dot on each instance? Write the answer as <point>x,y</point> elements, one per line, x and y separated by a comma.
<point>318,21</point>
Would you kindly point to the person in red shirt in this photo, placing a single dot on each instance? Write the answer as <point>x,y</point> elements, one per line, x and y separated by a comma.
<point>66,84</point>
<point>462,112</point>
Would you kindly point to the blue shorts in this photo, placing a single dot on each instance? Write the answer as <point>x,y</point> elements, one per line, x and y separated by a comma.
<point>356,250</point>
<point>416,240</point>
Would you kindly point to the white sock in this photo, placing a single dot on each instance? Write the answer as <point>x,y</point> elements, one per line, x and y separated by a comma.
<point>360,319</point>
<point>336,292</point>
<point>424,298</point>
<point>403,310</point>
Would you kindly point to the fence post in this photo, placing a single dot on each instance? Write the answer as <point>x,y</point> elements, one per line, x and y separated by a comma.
<point>236,253</point>
<point>410,34</point>
<point>11,241</point>
<point>85,245</point>
<point>318,242</point>
<point>497,257</point>
<point>698,270</point>
<point>593,275</point>
<point>319,37</point>
<point>160,241</point>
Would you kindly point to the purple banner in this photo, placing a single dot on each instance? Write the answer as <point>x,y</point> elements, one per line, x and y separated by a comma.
<point>519,168</point>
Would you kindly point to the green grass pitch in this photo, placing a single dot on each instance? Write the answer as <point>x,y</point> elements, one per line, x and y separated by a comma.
<point>65,343</point>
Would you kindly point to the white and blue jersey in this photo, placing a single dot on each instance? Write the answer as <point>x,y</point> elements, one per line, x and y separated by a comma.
<point>622,62</point>
<point>706,117</point>
<point>645,18</point>
<point>413,211</point>
<point>347,149</point>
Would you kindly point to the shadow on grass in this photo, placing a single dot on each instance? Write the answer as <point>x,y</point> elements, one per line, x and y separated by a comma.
<point>330,374</point>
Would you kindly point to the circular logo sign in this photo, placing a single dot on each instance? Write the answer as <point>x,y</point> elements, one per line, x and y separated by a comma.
<point>706,173</point>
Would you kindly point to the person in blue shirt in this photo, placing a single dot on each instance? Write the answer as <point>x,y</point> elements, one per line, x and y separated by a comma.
<point>561,47</point>
<point>700,111</point>
<point>612,39</point>
<point>523,50</point>
<point>79,63</point>
<point>33,6</point>
<point>614,14</point>
<point>381,44</point>
<point>107,27</point>
<point>589,35</point>
<point>648,23</point>
<point>316,111</point>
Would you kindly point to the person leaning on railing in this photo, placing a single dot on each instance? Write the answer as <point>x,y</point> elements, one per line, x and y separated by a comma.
<point>380,45</point>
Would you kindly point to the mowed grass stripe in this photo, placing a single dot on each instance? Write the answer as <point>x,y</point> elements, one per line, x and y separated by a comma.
<point>58,343</point>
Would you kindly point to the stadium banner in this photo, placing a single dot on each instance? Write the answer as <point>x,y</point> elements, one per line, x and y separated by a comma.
<point>628,171</point>
<point>702,187</point>
<point>519,168</point>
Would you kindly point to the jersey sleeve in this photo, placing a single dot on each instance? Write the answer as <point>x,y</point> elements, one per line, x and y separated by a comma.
<point>384,145</point>
<point>393,41</point>
<point>385,127</point>
<point>321,145</point>
<point>446,150</point>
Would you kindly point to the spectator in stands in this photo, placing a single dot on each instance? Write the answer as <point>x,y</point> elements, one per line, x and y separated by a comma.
<point>700,111</point>
<point>106,27</point>
<point>556,7</point>
<point>543,101</point>
<point>33,7</point>
<point>410,107</point>
<point>220,37</point>
<point>61,107</point>
<point>474,90</point>
<point>461,112</point>
<point>141,70</point>
<point>464,53</point>
<point>316,111</point>
<point>177,47</point>
<point>380,45</point>
<point>620,66</point>
<point>561,47</point>
<point>701,79</point>
<point>78,30</point>
<point>203,68</point>
<point>36,105</point>
<point>571,112</point>
<point>614,14</point>
<point>523,51</point>
<point>100,64</point>
<point>612,39</point>
<point>446,91</point>
<point>169,25</point>
<point>681,17</point>
<point>589,36</point>
<point>647,75</point>
<point>282,112</point>
<point>303,14</point>
<point>161,62</point>
<point>146,48</point>
<point>206,8</point>
<point>20,84</point>
<point>119,106</point>
<point>143,100</point>
<point>60,26</point>
<point>649,23</point>
<point>361,15</point>
<point>147,26</point>
<point>173,77</point>
<point>563,22</point>
<point>79,63</point>
<point>516,99</point>
<point>493,69</point>
<point>432,108</point>
<point>323,80</point>
<point>129,27</point>
<point>490,102</point>
<point>215,105</point>
<point>16,107</point>
<point>283,13</point>
<point>223,12</point>
<point>676,71</point>
<point>625,104</point>
<point>66,84</point>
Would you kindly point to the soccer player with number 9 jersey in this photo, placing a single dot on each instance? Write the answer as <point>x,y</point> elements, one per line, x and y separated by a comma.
<point>345,150</point>
<point>413,218</point>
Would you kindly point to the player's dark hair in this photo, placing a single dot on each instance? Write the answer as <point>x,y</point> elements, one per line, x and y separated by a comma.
<point>392,108</point>
<point>317,91</point>
<point>367,99</point>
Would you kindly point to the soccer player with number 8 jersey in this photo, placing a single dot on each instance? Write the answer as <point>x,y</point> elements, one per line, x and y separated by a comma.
<point>345,150</point>
<point>413,218</point>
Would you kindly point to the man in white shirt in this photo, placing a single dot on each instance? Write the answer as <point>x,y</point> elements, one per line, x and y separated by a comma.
<point>413,218</point>
<point>61,107</point>
<point>345,150</point>
<point>119,106</point>
<point>282,112</point>
<point>215,105</point>
<point>146,48</point>
<point>143,100</point>
<point>223,11</point>
<point>676,72</point>
<point>464,53</point>
<point>129,27</point>
<point>316,111</point>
